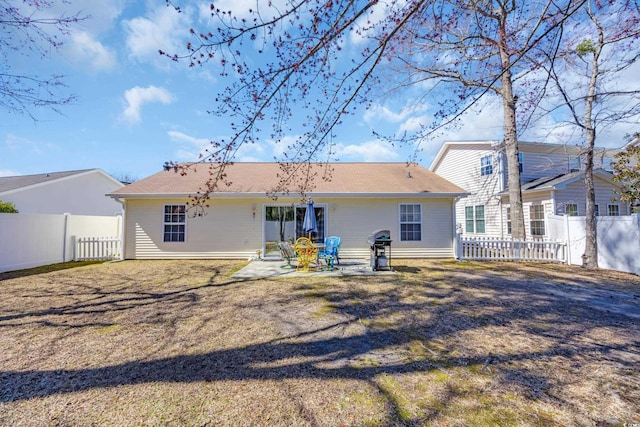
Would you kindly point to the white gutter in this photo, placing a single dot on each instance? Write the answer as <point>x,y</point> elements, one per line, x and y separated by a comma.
<point>238,195</point>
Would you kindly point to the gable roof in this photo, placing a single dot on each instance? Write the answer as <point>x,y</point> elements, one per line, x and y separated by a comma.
<point>346,179</point>
<point>12,183</point>
<point>559,182</point>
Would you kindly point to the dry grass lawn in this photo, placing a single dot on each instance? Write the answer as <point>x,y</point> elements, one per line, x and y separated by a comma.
<point>141,343</point>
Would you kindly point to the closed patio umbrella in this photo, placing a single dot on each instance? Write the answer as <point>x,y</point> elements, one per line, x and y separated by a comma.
<point>309,225</point>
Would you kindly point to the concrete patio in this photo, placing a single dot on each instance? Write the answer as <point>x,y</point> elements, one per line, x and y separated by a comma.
<point>279,268</point>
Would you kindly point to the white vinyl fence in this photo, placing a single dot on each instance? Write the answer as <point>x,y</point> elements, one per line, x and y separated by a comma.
<point>32,240</point>
<point>507,249</point>
<point>618,239</point>
<point>96,248</point>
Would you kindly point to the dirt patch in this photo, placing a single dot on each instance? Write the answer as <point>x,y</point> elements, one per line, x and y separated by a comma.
<point>441,343</point>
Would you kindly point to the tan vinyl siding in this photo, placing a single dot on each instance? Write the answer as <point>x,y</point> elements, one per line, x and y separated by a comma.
<point>229,230</point>
<point>575,193</point>
<point>536,165</point>
<point>461,166</point>
<point>355,219</point>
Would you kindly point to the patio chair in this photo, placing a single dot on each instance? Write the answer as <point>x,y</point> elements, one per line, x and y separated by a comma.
<point>330,251</point>
<point>287,252</point>
<point>307,253</point>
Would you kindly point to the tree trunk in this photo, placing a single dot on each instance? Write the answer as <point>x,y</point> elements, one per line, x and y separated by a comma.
<point>511,147</point>
<point>590,258</point>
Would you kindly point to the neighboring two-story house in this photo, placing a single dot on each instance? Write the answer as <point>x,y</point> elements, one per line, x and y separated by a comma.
<point>552,177</point>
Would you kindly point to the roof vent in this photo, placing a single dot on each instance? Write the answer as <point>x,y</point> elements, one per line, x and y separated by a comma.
<point>409,175</point>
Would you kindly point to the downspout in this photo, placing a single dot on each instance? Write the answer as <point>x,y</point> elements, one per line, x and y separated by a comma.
<point>456,236</point>
<point>122,226</point>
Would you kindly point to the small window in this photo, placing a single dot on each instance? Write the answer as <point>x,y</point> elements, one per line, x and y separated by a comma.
<point>536,220</point>
<point>508,220</point>
<point>410,222</point>
<point>474,219</point>
<point>575,164</point>
<point>596,208</point>
<point>571,209</point>
<point>607,164</point>
<point>520,162</point>
<point>613,210</point>
<point>175,221</point>
<point>468,219</point>
<point>480,219</point>
<point>486,165</point>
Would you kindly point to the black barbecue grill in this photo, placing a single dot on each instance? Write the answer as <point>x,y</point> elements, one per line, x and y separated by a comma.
<point>380,245</point>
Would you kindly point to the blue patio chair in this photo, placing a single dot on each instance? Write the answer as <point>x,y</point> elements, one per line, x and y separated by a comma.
<point>330,252</point>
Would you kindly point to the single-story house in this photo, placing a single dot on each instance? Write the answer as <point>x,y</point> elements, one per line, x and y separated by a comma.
<point>79,192</point>
<point>245,216</point>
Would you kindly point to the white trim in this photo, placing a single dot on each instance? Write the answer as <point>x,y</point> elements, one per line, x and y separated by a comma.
<point>234,195</point>
<point>164,223</point>
<point>414,222</point>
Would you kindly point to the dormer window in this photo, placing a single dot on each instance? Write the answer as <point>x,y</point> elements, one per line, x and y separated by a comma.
<point>486,165</point>
<point>575,164</point>
<point>607,164</point>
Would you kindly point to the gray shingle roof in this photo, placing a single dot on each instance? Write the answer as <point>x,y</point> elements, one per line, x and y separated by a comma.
<point>8,183</point>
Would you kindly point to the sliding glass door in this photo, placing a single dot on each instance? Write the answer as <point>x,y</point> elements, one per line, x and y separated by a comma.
<point>284,223</point>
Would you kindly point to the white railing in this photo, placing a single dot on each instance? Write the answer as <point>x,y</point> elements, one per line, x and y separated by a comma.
<point>501,249</point>
<point>96,248</point>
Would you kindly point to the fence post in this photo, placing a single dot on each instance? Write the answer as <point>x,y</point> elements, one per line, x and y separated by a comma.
<point>75,247</point>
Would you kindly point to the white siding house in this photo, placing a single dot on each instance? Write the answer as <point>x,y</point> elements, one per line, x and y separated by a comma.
<point>81,192</point>
<point>552,183</point>
<point>416,205</point>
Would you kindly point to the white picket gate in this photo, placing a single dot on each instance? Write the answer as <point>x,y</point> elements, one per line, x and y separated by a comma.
<point>500,249</point>
<point>96,248</point>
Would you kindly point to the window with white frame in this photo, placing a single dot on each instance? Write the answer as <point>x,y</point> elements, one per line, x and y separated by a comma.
<point>607,164</point>
<point>520,162</point>
<point>486,165</point>
<point>575,164</point>
<point>536,220</point>
<point>474,219</point>
<point>613,210</point>
<point>175,222</point>
<point>571,209</point>
<point>410,222</point>
<point>508,220</point>
<point>596,209</point>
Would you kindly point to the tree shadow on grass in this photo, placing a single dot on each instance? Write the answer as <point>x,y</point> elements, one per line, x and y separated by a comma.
<point>320,351</point>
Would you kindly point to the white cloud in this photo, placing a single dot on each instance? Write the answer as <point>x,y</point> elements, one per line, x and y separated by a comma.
<point>378,112</point>
<point>25,145</point>
<point>369,151</point>
<point>192,147</point>
<point>366,26</point>
<point>198,143</point>
<point>8,172</point>
<point>240,8</point>
<point>164,29</point>
<point>138,96</point>
<point>85,48</point>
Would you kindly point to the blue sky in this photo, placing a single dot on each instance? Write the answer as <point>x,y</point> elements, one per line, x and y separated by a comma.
<point>136,109</point>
